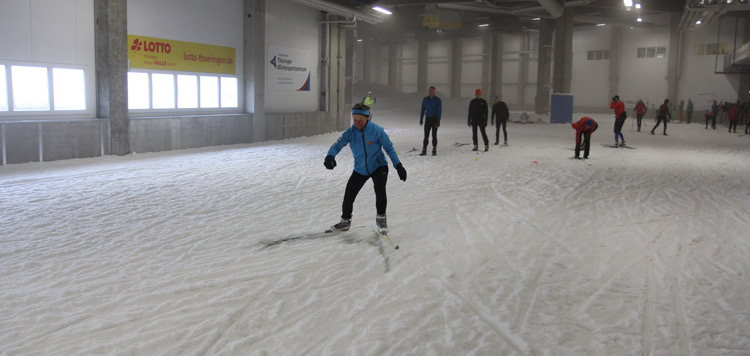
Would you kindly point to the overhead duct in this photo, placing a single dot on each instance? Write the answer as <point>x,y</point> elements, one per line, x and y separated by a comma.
<point>554,8</point>
<point>486,10</point>
<point>624,23</point>
<point>340,10</point>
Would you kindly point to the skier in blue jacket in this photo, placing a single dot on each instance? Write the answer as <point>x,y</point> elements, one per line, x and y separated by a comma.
<point>367,142</point>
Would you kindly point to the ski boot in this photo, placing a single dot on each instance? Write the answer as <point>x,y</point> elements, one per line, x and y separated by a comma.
<point>505,143</point>
<point>622,144</point>
<point>434,151</point>
<point>486,148</point>
<point>424,152</point>
<point>476,148</point>
<point>382,223</point>
<point>343,225</point>
<point>497,143</point>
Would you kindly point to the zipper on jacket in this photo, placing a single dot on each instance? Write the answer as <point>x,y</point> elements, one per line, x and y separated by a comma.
<point>364,146</point>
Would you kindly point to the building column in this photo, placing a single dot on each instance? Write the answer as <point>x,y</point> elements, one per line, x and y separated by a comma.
<point>544,67</point>
<point>523,68</point>
<point>673,58</point>
<point>393,67</point>
<point>254,52</point>
<point>744,87</point>
<point>486,66</point>
<point>563,68</point>
<point>456,61</point>
<point>422,66</point>
<point>496,64</point>
<point>111,42</point>
<point>614,60</point>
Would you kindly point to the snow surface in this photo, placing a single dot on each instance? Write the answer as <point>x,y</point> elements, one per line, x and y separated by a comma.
<point>633,252</point>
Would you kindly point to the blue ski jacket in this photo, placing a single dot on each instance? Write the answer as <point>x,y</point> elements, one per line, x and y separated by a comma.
<point>433,107</point>
<point>367,148</point>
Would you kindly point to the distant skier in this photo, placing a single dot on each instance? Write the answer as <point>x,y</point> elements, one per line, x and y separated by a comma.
<point>640,110</point>
<point>734,115</point>
<point>711,116</point>
<point>432,107</point>
<point>620,117</point>
<point>584,128</point>
<point>369,101</point>
<point>478,113</point>
<point>689,111</point>
<point>661,116</point>
<point>367,142</point>
<point>500,110</point>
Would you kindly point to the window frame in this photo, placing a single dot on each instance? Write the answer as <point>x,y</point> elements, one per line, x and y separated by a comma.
<point>50,114</point>
<point>177,111</point>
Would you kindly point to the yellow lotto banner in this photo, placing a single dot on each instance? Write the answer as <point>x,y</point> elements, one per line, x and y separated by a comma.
<point>158,53</point>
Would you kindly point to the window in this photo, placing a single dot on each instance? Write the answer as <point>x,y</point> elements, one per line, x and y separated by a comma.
<point>69,89</point>
<point>165,91</point>
<point>3,90</point>
<point>209,92</point>
<point>162,93</point>
<point>700,49</point>
<point>30,88</point>
<point>599,54</point>
<point>138,96</point>
<point>651,52</point>
<point>229,92</point>
<point>187,91</point>
<point>711,49</point>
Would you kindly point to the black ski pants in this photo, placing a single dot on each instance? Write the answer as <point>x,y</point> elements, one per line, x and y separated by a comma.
<point>639,118</point>
<point>474,133</point>
<point>497,130</point>
<point>659,120</point>
<point>430,125</point>
<point>732,124</point>
<point>712,118</point>
<point>356,181</point>
<point>585,139</point>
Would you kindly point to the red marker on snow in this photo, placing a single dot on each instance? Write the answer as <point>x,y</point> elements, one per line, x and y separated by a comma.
<point>535,162</point>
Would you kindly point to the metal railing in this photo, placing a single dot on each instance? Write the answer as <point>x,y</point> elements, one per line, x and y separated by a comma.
<point>102,124</point>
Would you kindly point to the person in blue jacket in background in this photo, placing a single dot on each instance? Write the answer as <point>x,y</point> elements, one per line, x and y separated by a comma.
<point>367,142</point>
<point>433,108</point>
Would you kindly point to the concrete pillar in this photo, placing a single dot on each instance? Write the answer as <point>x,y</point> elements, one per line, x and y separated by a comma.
<point>486,66</point>
<point>366,63</point>
<point>422,66</point>
<point>744,87</point>
<point>393,67</point>
<point>456,61</point>
<point>340,107</point>
<point>111,42</point>
<point>544,67</point>
<point>563,68</point>
<point>254,52</point>
<point>523,68</point>
<point>673,58</point>
<point>496,64</point>
<point>615,42</point>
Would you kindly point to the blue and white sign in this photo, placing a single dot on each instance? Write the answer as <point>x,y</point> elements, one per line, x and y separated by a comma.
<point>288,68</point>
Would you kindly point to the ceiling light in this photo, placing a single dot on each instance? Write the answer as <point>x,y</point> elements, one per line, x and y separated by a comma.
<point>383,10</point>
<point>359,40</point>
<point>638,5</point>
<point>600,24</point>
<point>483,25</point>
<point>628,3</point>
<point>535,19</point>
<point>698,22</point>
<point>639,19</point>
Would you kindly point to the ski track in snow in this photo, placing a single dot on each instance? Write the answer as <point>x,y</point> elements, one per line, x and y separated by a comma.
<point>632,252</point>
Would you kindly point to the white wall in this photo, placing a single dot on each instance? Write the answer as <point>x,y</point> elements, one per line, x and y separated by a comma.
<point>408,60</point>
<point>438,66</point>
<point>44,32</point>
<point>471,66</point>
<point>590,79</point>
<point>292,25</point>
<point>642,78</point>
<point>697,78</point>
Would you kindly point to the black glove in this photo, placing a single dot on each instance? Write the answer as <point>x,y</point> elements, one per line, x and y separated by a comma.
<point>401,172</point>
<point>330,162</point>
<point>421,122</point>
<point>468,124</point>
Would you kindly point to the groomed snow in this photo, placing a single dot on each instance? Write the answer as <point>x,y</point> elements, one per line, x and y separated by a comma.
<point>633,252</point>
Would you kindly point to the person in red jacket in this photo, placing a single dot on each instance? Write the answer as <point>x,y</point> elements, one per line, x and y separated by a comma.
<point>620,117</point>
<point>584,128</point>
<point>640,110</point>
<point>734,115</point>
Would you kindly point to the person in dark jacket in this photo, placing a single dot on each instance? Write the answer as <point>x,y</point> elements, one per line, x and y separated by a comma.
<point>689,111</point>
<point>640,110</point>
<point>478,113</point>
<point>367,142</point>
<point>662,115</point>
<point>432,107</point>
<point>500,111</point>
<point>584,128</point>
<point>620,117</point>
<point>734,115</point>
